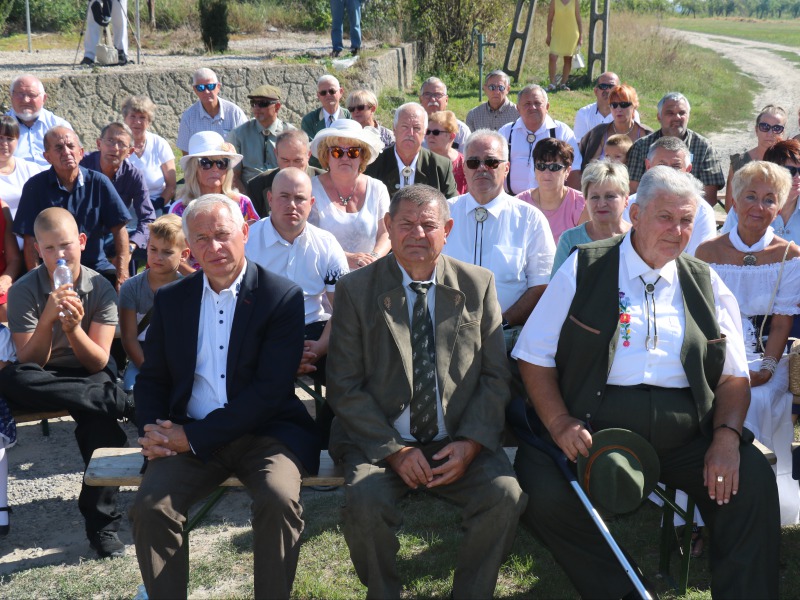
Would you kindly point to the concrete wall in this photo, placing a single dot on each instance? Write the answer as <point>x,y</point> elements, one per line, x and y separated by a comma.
<point>89,101</point>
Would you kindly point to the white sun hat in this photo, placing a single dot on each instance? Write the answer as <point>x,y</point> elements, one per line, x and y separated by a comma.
<point>349,129</point>
<point>209,143</point>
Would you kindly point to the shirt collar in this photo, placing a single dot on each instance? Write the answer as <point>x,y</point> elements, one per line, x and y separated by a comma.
<point>401,166</point>
<point>548,123</point>
<point>506,103</point>
<point>232,290</point>
<point>636,267</point>
<point>272,129</point>
<point>78,182</point>
<point>219,116</point>
<point>494,207</point>
<point>272,237</point>
<point>324,114</point>
<point>407,278</point>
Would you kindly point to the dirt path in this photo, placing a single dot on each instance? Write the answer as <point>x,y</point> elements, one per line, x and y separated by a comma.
<point>779,76</point>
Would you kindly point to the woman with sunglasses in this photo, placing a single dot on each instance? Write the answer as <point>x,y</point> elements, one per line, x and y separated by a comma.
<point>442,130</point>
<point>770,128</point>
<point>349,204</point>
<point>14,172</point>
<point>362,105</point>
<point>762,270</point>
<point>624,102</point>
<point>563,206</point>
<point>152,154</point>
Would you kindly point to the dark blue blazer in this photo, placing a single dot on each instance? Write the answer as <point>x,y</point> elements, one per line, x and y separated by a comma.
<point>264,351</point>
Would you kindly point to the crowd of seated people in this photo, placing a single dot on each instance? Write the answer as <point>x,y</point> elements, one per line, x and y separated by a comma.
<point>239,263</point>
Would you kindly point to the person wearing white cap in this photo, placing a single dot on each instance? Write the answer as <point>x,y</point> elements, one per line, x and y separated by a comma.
<point>350,204</point>
<point>255,140</point>
<point>208,169</point>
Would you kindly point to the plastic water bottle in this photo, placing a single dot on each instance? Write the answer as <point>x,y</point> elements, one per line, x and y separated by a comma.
<point>62,274</point>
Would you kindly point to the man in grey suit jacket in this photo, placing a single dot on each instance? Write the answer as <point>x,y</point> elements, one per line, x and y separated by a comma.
<point>389,437</point>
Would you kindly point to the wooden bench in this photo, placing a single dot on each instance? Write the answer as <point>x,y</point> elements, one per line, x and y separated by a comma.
<point>27,417</point>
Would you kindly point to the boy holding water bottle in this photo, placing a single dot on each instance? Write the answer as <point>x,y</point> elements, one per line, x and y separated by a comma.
<point>63,336</point>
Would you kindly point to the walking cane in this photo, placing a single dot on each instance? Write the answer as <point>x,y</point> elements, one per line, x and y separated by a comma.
<point>517,416</point>
<point>80,38</point>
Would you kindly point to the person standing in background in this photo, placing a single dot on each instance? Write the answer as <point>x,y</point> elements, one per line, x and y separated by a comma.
<point>337,16</point>
<point>563,38</point>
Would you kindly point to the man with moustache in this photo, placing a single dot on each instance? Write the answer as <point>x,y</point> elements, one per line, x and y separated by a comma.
<point>433,98</point>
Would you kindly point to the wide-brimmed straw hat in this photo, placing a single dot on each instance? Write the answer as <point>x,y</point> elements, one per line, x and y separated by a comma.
<point>209,143</point>
<point>349,129</point>
<point>620,472</point>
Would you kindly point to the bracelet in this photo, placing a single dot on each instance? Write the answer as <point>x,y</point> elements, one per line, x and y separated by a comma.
<point>373,254</point>
<point>769,363</point>
<point>726,426</point>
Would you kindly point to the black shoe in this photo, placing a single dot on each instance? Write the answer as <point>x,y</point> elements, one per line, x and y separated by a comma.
<point>123,59</point>
<point>89,62</point>
<point>335,53</point>
<point>354,51</point>
<point>5,529</point>
<point>129,410</point>
<point>106,544</point>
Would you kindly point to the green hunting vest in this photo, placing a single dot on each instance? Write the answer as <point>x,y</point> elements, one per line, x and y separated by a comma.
<point>590,333</point>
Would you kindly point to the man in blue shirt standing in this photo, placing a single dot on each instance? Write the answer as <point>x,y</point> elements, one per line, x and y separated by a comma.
<point>88,195</point>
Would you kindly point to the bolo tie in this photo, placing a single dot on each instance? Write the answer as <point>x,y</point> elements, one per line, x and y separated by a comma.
<point>406,175</point>
<point>481,214</point>
<point>650,309</point>
<point>530,138</point>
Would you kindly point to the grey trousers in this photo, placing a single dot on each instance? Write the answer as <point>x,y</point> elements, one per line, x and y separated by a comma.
<point>745,534</point>
<point>488,495</point>
<point>272,476</point>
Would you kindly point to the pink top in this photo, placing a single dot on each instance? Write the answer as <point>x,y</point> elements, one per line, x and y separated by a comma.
<point>566,216</point>
<point>458,174</point>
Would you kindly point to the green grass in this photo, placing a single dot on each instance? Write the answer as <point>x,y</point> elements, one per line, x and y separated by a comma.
<point>785,32</point>
<point>790,56</point>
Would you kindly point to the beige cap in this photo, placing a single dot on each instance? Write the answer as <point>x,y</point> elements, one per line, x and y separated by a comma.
<point>270,92</point>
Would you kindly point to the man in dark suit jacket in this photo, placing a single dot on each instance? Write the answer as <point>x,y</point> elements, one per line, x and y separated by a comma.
<point>421,411</point>
<point>407,162</point>
<point>215,397</point>
<point>329,93</point>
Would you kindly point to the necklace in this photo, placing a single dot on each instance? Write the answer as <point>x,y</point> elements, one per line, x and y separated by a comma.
<point>750,258</point>
<point>343,200</point>
<point>614,125</point>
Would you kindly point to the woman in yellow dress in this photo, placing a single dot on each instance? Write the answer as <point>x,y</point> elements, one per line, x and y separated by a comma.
<point>563,38</point>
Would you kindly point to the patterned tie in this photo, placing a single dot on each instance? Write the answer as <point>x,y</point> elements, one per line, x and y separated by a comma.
<point>330,120</point>
<point>270,161</point>
<point>424,425</point>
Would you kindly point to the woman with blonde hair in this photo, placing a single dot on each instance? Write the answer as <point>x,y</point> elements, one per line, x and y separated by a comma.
<point>362,105</point>
<point>441,132</point>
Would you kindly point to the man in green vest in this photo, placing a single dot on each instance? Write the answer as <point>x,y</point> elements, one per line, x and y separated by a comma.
<point>632,333</point>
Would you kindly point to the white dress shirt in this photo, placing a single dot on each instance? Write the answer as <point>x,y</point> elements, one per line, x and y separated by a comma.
<point>315,261</point>
<point>403,423</point>
<point>520,157</point>
<point>514,242</point>
<point>209,389</point>
<point>633,364</point>
<point>401,166</point>
<point>30,145</point>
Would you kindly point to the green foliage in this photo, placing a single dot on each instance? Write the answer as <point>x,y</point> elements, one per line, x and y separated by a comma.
<point>171,14</point>
<point>316,13</point>
<point>214,24</point>
<point>48,15</point>
<point>5,10</point>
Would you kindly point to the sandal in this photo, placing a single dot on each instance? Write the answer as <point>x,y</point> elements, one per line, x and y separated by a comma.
<point>563,87</point>
<point>4,529</point>
<point>697,542</point>
<point>551,87</point>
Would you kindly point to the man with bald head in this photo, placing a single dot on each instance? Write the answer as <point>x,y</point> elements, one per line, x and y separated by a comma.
<point>433,98</point>
<point>27,107</point>
<point>63,337</point>
<point>88,195</point>
<point>592,115</point>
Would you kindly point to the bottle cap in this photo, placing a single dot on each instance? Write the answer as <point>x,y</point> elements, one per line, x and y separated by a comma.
<point>60,262</point>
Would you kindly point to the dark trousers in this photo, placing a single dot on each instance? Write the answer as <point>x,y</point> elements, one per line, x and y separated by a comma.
<point>745,534</point>
<point>95,402</point>
<point>272,476</point>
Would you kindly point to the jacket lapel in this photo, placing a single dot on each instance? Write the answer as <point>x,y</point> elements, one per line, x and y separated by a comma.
<point>245,304</point>
<point>421,176</point>
<point>449,311</point>
<point>393,305</point>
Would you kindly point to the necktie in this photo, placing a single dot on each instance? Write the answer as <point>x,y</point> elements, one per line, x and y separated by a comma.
<point>270,161</point>
<point>330,120</point>
<point>424,425</point>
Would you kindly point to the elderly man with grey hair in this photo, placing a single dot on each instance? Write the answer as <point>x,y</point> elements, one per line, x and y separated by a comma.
<point>673,115</point>
<point>215,398</point>
<point>329,94</point>
<point>534,125</point>
<point>433,98</point>
<point>407,162</point>
<point>633,333</point>
<point>210,112</point>
<point>27,107</point>
<point>498,109</point>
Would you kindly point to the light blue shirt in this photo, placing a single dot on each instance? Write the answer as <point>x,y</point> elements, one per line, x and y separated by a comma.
<point>31,139</point>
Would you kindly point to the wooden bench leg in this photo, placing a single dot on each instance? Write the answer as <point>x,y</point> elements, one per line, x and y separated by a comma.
<point>198,517</point>
<point>45,428</point>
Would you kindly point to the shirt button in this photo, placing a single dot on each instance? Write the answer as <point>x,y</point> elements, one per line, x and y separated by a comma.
<point>221,312</point>
<point>220,348</point>
<point>220,321</point>
<point>222,376</point>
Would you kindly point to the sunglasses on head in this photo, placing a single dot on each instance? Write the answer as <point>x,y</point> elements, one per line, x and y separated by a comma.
<point>605,86</point>
<point>331,91</point>
<point>621,104</point>
<point>339,152</point>
<point>262,103</point>
<point>793,171</point>
<point>490,163</point>
<point>496,88</point>
<point>434,132</point>
<point>552,167</point>
<point>359,107</point>
<point>202,87</point>
<point>207,163</point>
<point>765,127</point>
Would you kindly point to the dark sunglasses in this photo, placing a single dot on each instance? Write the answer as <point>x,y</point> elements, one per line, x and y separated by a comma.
<point>489,163</point>
<point>207,163</point>
<point>202,87</point>
<point>794,171</point>
<point>339,152</point>
<point>765,127</point>
<point>605,86</point>
<point>434,132</point>
<point>621,104</point>
<point>262,103</point>
<point>359,107</point>
<point>496,88</point>
<point>552,167</point>
<point>331,91</point>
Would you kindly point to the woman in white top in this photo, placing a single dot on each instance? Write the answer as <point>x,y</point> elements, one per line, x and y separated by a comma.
<point>763,272</point>
<point>151,153</point>
<point>14,172</point>
<point>349,204</point>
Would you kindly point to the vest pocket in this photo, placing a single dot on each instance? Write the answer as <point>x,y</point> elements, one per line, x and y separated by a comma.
<point>584,326</point>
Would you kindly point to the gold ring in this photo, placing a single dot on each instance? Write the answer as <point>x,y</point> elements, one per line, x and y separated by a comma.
<point>720,479</point>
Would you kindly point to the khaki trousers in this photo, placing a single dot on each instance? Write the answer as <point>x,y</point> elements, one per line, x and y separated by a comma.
<point>272,476</point>
<point>488,495</point>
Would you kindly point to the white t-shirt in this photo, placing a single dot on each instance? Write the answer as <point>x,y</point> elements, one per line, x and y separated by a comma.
<point>11,185</point>
<point>157,151</point>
